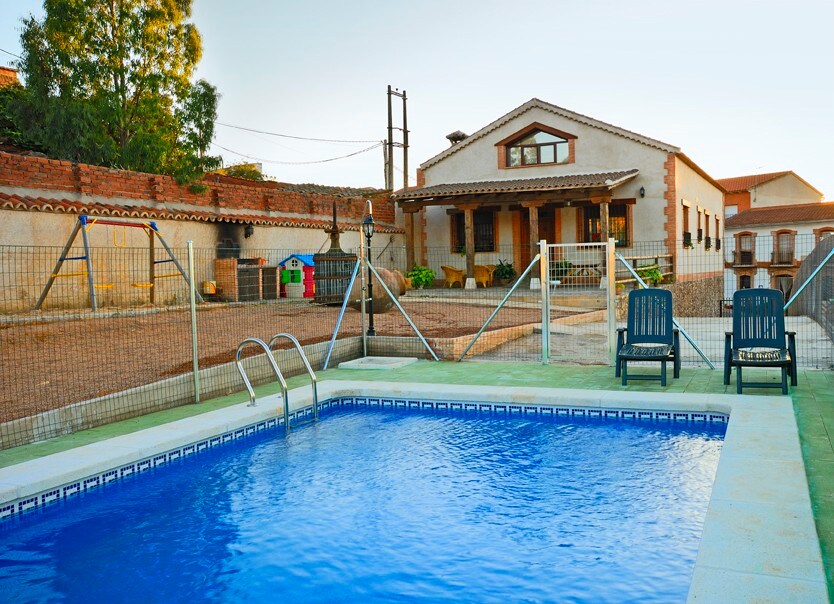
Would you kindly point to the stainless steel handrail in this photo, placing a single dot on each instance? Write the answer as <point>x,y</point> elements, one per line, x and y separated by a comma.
<point>313,380</point>
<point>277,371</point>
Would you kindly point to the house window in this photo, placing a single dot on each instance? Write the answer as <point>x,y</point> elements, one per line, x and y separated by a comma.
<point>823,233</point>
<point>617,224</point>
<point>744,253</point>
<point>700,230</point>
<point>717,234</point>
<point>745,282</point>
<point>537,148</point>
<point>784,283</point>
<point>783,248</point>
<point>687,234</point>
<point>484,226</point>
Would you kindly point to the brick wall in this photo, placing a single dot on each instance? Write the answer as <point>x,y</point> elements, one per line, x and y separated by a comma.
<point>223,191</point>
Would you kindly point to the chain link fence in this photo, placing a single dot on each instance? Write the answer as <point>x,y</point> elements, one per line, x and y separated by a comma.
<point>66,367</point>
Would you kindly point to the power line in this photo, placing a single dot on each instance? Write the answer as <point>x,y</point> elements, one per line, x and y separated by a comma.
<point>299,163</point>
<point>11,53</point>
<point>299,138</point>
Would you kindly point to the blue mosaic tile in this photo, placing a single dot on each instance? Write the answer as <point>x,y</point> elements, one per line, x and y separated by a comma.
<point>109,476</point>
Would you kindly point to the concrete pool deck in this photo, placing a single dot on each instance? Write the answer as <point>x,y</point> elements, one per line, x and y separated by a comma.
<point>812,405</point>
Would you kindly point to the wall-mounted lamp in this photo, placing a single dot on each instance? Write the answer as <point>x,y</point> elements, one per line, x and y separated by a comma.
<point>642,191</point>
<point>248,231</point>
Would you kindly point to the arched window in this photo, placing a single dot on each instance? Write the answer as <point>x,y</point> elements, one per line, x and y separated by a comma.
<point>745,282</point>
<point>537,147</point>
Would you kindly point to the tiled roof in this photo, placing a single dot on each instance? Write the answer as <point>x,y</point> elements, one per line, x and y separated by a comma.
<point>348,192</point>
<point>806,212</point>
<point>8,77</point>
<point>64,206</point>
<point>737,184</point>
<point>548,183</point>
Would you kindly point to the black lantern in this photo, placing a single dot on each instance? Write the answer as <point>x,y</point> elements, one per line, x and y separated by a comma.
<point>642,191</point>
<point>248,231</point>
<point>368,229</point>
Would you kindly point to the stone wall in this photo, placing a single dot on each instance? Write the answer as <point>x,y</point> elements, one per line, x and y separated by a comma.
<point>696,298</point>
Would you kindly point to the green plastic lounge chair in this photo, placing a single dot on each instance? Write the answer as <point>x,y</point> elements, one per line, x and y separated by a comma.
<point>649,335</point>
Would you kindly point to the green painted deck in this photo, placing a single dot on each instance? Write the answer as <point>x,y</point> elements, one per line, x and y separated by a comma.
<point>813,401</point>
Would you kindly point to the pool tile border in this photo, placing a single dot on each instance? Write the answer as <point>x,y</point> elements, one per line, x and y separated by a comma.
<point>50,496</point>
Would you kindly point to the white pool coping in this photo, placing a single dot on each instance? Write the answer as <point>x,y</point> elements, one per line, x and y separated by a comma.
<point>759,541</point>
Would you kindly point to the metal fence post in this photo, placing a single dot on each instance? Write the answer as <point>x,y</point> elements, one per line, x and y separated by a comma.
<point>192,304</point>
<point>544,273</point>
<point>611,286</point>
<point>363,260</point>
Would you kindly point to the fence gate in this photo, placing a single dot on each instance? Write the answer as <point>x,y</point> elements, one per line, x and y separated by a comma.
<point>581,302</point>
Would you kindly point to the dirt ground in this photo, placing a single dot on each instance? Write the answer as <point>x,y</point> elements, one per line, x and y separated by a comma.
<point>49,364</point>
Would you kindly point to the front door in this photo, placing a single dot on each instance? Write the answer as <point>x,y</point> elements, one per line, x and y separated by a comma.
<point>547,231</point>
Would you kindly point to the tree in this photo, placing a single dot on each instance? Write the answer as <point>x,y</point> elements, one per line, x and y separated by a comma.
<point>109,82</point>
<point>249,171</point>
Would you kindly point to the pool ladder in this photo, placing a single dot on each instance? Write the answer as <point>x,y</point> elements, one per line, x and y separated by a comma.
<point>268,350</point>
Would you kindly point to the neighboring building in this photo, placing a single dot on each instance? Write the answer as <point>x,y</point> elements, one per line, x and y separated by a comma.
<point>766,245</point>
<point>544,172</point>
<point>766,190</point>
<point>225,217</point>
<point>8,77</point>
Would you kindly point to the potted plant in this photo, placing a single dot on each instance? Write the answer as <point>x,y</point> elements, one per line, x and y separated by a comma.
<point>504,273</point>
<point>420,277</point>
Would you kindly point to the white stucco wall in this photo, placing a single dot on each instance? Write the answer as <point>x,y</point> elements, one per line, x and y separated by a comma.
<point>700,193</point>
<point>786,190</point>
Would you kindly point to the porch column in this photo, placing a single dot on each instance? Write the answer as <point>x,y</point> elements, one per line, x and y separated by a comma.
<point>604,202</point>
<point>469,224</point>
<point>533,210</point>
<point>409,240</point>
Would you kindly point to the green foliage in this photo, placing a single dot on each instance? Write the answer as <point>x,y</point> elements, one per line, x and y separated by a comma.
<point>421,276</point>
<point>504,270</point>
<point>651,275</point>
<point>243,171</point>
<point>108,82</point>
<point>562,268</point>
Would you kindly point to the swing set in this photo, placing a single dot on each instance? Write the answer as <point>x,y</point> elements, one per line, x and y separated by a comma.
<point>83,226</point>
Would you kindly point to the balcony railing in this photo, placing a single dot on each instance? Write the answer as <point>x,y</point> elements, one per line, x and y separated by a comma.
<point>742,258</point>
<point>782,258</point>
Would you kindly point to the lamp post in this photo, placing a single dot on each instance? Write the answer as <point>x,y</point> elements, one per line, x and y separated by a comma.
<point>368,229</point>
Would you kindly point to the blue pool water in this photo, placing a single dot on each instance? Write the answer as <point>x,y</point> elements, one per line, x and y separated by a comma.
<point>382,505</point>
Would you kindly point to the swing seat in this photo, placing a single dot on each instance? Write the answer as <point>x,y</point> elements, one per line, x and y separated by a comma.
<point>141,284</point>
<point>103,285</point>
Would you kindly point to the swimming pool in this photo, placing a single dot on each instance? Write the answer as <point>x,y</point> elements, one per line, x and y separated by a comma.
<point>422,504</point>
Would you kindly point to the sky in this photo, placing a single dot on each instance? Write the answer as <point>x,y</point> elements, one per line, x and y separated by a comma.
<point>742,87</point>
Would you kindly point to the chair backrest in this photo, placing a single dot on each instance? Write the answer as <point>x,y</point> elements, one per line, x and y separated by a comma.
<point>758,318</point>
<point>650,316</point>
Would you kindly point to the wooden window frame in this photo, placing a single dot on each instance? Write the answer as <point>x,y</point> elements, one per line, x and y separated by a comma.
<point>587,236</point>
<point>456,245</point>
<point>505,144</point>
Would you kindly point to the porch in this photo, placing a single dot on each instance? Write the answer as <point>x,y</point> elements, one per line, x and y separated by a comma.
<point>482,217</point>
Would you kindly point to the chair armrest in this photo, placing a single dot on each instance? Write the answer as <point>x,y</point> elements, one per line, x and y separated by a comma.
<point>621,331</point>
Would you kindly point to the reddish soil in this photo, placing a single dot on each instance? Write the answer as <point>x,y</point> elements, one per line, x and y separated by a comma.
<point>50,364</point>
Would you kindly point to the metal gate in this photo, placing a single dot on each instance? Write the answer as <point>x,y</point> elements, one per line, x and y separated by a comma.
<point>580,300</point>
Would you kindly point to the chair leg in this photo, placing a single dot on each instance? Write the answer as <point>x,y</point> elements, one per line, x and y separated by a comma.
<point>727,371</point>
<point>625,372</point>
<point>617,370</point>
<point>738,379</point>
<point>784,380</point>
<point>677,365</point>
<point>793,372</point>
<point>663,373</point>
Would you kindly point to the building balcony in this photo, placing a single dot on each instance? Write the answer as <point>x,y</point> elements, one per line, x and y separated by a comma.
<point>782,258</point>
<point>742,258</point>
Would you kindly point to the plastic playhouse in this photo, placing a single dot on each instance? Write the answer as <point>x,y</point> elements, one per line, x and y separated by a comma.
<point>297,271</point>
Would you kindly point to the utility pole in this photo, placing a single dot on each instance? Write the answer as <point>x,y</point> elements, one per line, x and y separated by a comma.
<point>390,144</point>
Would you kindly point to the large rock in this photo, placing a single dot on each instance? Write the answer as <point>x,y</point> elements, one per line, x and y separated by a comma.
<point>382,301</point>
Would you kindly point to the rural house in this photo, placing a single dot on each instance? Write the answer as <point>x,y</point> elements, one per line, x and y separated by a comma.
<point>544,172</point>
